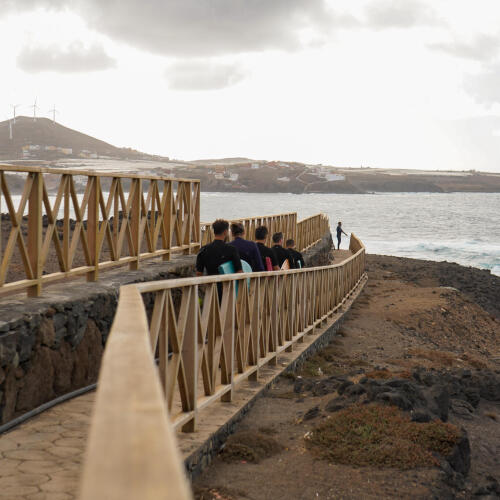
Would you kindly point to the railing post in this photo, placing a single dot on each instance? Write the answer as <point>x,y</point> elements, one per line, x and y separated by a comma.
<point>190,356</point>
<point>35,232</point>
<point>93,227</point>
<point>66,227</point>
<point>197,203</point>
<point>189,213</point>
<point>135,223</point>
<point>228,313</point>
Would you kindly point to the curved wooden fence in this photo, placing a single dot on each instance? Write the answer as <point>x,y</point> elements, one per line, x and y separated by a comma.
<point>311,230</point>
<point>68,223</point>
<point>205,347</point>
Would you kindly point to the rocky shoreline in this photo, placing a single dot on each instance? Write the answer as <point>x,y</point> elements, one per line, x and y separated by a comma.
<point>422,343</point>
<point>479,285</point>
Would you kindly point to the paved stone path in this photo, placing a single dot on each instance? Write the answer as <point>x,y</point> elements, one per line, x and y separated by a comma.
<point>41,459</point>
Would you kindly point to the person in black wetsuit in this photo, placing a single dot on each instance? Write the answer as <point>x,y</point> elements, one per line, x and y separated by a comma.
<point>339,234</point>
<point>281,253</point>
<point>211,256</point>
<point>297,256</point>
<point>260,237</point>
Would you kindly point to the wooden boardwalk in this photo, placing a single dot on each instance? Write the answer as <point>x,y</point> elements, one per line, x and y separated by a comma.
<point>41,459</point>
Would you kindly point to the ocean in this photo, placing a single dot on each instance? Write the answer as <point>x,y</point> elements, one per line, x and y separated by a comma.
<point>454,227</point>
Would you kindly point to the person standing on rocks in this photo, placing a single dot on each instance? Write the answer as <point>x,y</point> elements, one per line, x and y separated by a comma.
<point>339,234</point>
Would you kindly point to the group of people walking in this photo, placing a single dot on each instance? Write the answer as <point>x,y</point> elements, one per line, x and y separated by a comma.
<point>256,254</point>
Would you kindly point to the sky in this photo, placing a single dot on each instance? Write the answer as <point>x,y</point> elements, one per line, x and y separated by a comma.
<point>380,83</point>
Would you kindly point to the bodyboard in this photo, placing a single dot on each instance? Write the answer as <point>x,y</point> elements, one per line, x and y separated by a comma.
<point>228,268</point>
<point>269,264</point>
<point>285,266</point>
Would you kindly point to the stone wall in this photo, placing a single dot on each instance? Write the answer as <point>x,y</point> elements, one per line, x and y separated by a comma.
<point>53,344</point>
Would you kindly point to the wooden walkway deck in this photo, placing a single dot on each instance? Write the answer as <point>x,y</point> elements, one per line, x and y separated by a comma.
<point>41,459</point>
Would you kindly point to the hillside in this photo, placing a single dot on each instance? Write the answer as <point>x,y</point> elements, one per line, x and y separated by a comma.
<point>45,140</point>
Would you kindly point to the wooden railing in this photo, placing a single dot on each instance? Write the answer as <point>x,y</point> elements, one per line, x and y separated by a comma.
<point>285,223</point>
<point>115,220</point>
<point>206,347</point>
<point>311,230</point>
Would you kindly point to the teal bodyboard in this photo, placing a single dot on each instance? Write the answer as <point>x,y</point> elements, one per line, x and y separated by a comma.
<point>228,268</point>
<point>300,264</point>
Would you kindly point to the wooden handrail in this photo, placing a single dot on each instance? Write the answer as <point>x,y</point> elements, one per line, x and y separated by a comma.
<point>205,344</point>
<point>115,227</point>
<point>131,420</point>
<point>311,230</point>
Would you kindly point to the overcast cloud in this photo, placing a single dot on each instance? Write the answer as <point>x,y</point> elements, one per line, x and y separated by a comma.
<point>196,28</point>
<point>202,75</point>
<point>367,82</point>
<point>399,14</point>
<point>485,86</point>
<point>481,48</point>
<point>75,58</point>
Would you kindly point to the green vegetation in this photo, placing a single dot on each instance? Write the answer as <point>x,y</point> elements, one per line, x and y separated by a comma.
<point>250,446</point>
<point>381,436</point>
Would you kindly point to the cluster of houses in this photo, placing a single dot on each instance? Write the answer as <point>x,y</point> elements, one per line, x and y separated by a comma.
<point>35,150</point>
<point>326,173</point>
<point>220,172</point>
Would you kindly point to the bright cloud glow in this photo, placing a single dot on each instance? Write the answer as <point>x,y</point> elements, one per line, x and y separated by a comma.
<point>383,83</point>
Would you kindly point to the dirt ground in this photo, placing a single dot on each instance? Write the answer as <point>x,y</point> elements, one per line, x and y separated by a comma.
<point>408,316</point>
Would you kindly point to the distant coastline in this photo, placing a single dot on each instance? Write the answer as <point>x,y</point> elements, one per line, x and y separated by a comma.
<point>47,143</point>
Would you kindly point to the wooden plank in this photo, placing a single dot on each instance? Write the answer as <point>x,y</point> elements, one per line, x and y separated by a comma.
<point>132,451</point>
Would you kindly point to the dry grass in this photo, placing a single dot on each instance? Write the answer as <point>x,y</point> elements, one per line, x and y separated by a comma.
<point>445,358</point>
<point>331,360</point>
<point>387,374</point>
<point>381,436</point>
<point>323,362</point>
<point>217,493</point>
<point>283,395</point>
<point>474,362</point>
<point>250,446</point>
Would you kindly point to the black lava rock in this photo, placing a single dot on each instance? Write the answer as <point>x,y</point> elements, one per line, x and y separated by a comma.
<point>312,413</point>
<point>354,390</point>
<point>343,386</point>
<point>459,458</point>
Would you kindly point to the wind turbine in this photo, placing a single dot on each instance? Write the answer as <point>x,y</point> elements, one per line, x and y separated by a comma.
<point>53,111</point>
<point>35,107</point>
<point>10,127</point>
<point>14,107</point>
